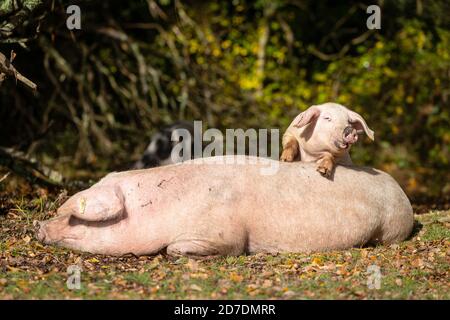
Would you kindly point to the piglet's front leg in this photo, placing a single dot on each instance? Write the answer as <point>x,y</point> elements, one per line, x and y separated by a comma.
<point>326,165</point>
<point>290,149</point>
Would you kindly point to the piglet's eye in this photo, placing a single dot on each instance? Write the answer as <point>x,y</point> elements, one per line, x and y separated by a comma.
<point>328,118</point>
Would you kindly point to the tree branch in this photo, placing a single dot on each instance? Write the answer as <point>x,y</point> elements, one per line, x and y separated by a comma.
<point>7,69</point>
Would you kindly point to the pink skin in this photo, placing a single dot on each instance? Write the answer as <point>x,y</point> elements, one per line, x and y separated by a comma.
<point>199,210</point>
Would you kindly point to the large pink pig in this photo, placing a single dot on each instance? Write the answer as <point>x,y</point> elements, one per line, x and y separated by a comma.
<point>200,209</point>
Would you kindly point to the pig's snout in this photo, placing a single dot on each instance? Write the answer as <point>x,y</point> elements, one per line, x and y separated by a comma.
<point>40,232</point>
<point>350,135</point>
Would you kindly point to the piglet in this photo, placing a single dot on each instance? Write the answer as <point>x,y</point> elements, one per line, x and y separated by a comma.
<point>324,134</point>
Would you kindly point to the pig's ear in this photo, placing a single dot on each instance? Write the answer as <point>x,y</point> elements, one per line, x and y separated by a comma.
<point>360,124</point>
<point>306,117</point>
<point>100,203</point>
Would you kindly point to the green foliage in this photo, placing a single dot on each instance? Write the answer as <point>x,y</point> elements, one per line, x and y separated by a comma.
<point>238,63</point>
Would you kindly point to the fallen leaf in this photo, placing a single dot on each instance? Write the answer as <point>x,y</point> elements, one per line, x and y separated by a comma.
<point>288,294</point>
<point>93,260</point>
<point>267,283</point>
<point>363,253</point>
<point>192,265</point>
<point>236,277</point>
<point>26,239</point>
<point>195,287</point>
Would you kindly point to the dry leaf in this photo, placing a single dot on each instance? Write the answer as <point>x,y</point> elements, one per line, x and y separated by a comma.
<point>235,277</point>
<point>317,261</point>
<point>195,287</point>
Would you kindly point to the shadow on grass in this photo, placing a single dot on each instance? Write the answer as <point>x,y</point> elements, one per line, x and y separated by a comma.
<point>416,229</point>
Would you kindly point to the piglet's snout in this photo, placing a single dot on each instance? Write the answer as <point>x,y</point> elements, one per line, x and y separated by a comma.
<point>350,135</point>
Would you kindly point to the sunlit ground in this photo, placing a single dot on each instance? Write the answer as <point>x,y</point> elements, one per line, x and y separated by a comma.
<point>415,269</point>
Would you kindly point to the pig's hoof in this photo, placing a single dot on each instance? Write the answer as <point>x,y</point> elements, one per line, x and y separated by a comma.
<point>324,171</point>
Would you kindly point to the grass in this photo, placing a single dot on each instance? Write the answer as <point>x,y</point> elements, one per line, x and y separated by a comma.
<point>415,269</point>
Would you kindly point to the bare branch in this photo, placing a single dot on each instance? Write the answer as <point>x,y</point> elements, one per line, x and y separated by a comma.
<point>7,69</point>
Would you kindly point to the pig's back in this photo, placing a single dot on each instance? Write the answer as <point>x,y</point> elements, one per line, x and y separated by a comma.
<point>299,210</point>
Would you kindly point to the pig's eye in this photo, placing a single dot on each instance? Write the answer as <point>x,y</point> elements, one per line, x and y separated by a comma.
<point>328,118</point>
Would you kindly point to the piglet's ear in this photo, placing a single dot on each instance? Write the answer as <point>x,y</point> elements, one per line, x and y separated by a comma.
<point>307,116</point>
<point>360,124</point>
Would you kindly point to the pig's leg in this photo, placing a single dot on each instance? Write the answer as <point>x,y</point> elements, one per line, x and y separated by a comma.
<point>215,230</point>
<point>290,148</point>
<point>326,165</point>
<point>193,248</point>
<point>204,248</point>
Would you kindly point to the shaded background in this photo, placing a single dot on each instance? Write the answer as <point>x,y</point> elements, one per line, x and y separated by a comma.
<point>137,65</point>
